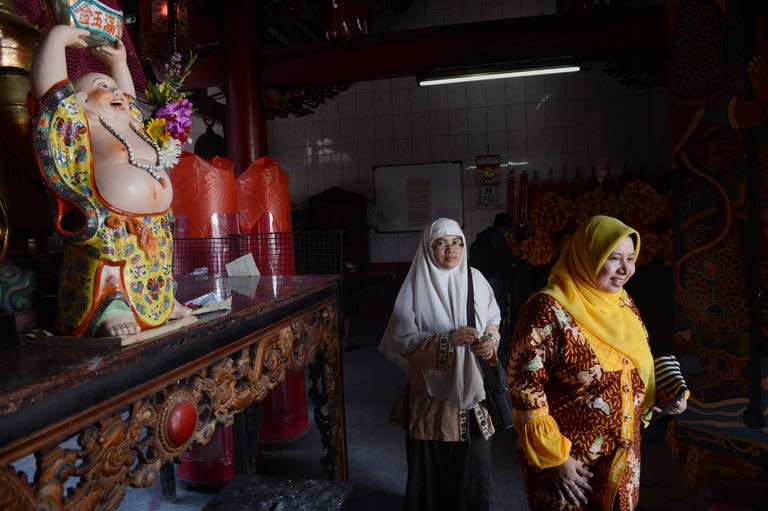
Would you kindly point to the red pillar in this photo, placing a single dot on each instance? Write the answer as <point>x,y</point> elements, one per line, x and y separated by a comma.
<point>246,129</point>
<point>246,132</point>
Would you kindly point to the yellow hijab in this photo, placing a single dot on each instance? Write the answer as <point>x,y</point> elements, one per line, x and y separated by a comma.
<point>601,315</point>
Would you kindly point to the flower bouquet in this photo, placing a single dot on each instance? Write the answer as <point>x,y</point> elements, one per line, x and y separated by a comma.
<point>595,202</point>
<point>171,119</point>
<point>642,205</point>
<point>550,213</point>
<point>539,249</point>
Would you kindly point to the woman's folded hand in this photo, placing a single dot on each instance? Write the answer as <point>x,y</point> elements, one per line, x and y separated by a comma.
<point>483,348</point>
<point>571,480</point>
<point>462,336</point>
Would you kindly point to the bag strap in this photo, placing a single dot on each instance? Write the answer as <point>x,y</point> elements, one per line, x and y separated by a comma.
<point>470,299</point>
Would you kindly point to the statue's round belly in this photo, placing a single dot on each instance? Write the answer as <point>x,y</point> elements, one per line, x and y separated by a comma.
<point>132,189</point>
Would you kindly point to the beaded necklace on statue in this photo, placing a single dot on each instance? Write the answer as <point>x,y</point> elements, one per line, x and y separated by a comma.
<point>152,170</point>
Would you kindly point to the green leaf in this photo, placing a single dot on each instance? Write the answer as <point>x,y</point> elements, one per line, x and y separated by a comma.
<point>153,95</point>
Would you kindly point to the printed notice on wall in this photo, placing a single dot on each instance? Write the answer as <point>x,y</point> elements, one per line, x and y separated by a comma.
<point>418,196</point>
<point>408,197</point>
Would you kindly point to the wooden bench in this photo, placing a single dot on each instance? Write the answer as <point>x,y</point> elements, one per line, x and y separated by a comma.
<point>262,493</point>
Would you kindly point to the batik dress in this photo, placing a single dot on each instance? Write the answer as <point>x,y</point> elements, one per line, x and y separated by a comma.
<point>433,419</point>
<point>447,448</point>
<point>111,255</point>
<point>568,402</point>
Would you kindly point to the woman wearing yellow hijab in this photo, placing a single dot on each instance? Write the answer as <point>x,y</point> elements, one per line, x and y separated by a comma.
<point>582,378</point>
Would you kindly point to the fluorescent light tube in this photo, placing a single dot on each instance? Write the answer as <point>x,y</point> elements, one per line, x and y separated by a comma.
<point>475,77</point>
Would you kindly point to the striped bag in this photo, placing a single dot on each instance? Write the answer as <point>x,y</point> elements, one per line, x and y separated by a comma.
<point>670,384</point>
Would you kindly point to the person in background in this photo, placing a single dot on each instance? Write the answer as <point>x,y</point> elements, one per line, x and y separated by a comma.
<point>448,428</point>
<point>490,253</point>
<point>581,376</point>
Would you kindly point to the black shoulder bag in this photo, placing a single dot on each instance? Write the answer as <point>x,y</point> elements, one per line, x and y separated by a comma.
<point>494,377</point>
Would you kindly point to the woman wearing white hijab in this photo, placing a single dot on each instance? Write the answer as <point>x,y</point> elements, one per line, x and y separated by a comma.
<point>447,423</point>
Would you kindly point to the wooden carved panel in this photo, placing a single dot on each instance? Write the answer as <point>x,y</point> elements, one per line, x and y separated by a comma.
<point>128,447</point>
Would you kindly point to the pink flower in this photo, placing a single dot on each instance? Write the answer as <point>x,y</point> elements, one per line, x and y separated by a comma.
<point>178,118</point>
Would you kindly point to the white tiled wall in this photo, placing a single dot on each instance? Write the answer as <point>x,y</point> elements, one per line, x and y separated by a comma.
<point>550,122</point>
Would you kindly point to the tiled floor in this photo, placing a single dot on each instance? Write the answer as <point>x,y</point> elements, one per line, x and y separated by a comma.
<point>377,458</point>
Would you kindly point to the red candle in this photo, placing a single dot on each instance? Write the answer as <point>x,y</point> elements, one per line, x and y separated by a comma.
<point>511,209</point>
<point>522,197</point>
<point>535,190</point>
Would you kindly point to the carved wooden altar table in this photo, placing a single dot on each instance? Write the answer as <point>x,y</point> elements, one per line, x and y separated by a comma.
<point>134,408</point>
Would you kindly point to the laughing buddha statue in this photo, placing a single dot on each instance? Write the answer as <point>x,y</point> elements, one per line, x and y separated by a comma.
<point>112,192</point>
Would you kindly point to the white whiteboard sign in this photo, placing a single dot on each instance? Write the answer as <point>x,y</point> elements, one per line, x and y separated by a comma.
<point>408,197</point>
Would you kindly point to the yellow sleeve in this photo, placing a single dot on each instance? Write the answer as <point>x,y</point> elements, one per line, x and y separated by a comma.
<point>540,438</point>
<point>534,341</point>
<point>63,146</point>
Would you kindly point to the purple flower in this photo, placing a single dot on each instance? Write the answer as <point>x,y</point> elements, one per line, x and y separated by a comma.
<point>173,68</point>
<point>178,118</point>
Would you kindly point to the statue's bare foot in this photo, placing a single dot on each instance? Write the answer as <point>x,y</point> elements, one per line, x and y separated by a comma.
<point>118,325</point>
<point>179,310</point>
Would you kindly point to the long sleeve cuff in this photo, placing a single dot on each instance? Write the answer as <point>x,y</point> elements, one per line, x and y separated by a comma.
<point>540,438</point>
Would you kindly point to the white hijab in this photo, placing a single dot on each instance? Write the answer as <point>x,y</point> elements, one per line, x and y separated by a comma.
<point>434,300</point>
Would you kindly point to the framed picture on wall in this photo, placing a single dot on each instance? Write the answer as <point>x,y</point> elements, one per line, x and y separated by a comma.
<point>410,196</point>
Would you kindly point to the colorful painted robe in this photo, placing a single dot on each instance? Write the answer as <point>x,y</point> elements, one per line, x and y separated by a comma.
<point>553,371</point>
<point>109,255</point>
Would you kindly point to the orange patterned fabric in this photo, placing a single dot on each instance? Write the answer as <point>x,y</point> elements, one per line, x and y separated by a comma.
<point>597,409</point>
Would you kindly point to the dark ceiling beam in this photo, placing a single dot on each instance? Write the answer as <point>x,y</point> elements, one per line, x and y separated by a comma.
<point>597,34</point>
<point>207,71</point>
